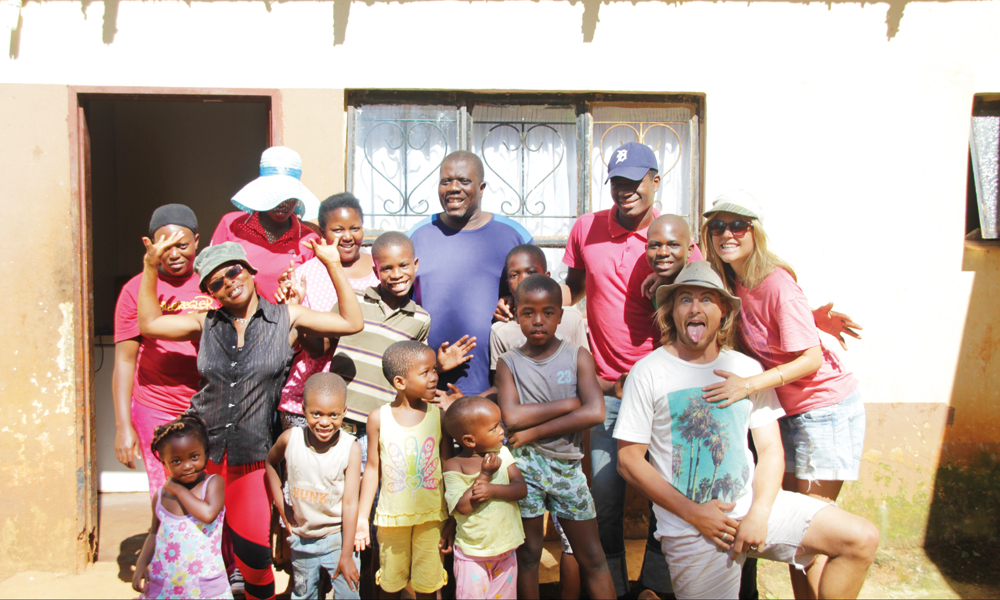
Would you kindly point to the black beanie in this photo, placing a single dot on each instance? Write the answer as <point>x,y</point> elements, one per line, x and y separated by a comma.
<point>173,214</point>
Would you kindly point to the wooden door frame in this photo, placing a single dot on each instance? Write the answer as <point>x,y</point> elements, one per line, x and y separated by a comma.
<point>83,317</point>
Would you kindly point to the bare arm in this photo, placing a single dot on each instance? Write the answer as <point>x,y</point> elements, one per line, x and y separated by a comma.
<point>708,518</point>
<point>140,580</point>
<point>204,510</point>
<point>349,521</point>
<point>735,387</point>
<point>483,491</point>
<point>767,477</point>
<point>464,505</point>
<point>447,443</point>
<point>517,416</point>
<point>272,478</point>
<point>152,322</point>
<point>369,482</point>
<point>314,346</point>
<point>126,440</point>
<point>590,413</point>
<point>349,320</point>
<point>575,286</point>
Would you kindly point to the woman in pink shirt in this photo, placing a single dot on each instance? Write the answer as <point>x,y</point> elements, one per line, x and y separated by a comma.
<point>341,221</point>
<point>153,380</point>
<point>824,425</point>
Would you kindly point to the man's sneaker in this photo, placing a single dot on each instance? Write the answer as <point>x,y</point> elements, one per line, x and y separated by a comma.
<point>236,583</point>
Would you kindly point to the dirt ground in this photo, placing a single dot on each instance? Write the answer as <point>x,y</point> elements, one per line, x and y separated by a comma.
<point>954,572</point>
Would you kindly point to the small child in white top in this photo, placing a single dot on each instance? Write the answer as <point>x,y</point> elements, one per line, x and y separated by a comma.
<point>324,480</point>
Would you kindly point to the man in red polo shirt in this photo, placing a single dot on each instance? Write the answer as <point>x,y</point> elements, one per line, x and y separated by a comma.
<point>606,256</point>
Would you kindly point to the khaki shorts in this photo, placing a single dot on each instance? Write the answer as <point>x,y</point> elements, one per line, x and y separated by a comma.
<point>411,555</point>
<point>700,569</point>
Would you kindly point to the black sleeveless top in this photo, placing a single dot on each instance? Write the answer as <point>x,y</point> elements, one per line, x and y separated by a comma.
<point>240,387</point>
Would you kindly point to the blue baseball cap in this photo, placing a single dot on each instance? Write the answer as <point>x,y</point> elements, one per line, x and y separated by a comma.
<point>631,161</point>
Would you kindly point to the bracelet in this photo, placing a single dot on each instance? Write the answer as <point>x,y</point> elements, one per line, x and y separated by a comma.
<point>780,375</point>
<point>747,381</point>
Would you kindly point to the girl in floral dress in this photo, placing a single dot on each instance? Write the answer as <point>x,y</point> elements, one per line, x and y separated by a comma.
<point>182,556</point>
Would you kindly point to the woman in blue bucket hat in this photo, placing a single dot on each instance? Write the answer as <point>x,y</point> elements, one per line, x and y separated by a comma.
<point>269,223</point>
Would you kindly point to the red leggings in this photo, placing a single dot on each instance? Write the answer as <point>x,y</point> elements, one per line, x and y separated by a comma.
<point>248,517</point>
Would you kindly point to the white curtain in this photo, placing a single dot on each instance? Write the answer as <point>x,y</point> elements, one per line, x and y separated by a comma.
<point>529,155</point>
<point>397,154</point>
<point>984,146</point>
<point>668,131</point>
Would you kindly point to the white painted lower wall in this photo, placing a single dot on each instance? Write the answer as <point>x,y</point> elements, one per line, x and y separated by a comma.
<point>112,475</point>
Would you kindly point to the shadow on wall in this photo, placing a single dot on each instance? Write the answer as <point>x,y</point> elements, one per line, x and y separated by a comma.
<point>964,521</point>
<point>588,26</point>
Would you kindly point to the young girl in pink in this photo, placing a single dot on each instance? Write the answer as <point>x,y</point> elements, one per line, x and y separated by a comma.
<point>824,427</point>
<point>182,556</point>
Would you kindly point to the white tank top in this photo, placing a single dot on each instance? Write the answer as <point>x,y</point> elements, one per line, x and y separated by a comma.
<point>316,483</point>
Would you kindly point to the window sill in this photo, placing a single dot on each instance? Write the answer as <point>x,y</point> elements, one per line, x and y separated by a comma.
<point>973,240</point>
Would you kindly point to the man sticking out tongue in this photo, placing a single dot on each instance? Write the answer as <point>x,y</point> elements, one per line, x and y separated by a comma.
<point>713,507</point>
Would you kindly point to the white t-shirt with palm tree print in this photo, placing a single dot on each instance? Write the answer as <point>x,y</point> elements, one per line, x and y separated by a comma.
<point>700,449</point>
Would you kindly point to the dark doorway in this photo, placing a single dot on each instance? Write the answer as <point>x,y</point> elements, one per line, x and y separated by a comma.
<point>146,151</point>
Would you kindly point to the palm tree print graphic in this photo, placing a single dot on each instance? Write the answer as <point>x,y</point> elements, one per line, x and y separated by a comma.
<point>708,458</point>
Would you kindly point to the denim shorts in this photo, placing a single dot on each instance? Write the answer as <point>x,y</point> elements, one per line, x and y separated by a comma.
<point>825,443</point>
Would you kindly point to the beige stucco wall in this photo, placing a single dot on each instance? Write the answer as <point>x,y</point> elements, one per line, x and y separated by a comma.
<point>42,525</point>
<point>848,119</point>
<point>312,122</point>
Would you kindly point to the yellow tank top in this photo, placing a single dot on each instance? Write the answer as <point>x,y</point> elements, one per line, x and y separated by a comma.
<point>412,489</point>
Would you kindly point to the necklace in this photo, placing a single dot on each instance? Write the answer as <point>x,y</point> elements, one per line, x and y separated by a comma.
<point>243,320</point>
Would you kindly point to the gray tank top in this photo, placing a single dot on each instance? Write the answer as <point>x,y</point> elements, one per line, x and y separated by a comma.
<point>552,378</point>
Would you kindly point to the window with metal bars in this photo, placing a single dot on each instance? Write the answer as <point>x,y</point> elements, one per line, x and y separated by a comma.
<point>544,155</point>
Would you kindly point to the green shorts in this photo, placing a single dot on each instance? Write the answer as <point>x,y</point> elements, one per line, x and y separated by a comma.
<point>554,484</point>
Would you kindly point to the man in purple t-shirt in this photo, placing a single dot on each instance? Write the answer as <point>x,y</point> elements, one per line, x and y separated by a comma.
<point>462,253</point>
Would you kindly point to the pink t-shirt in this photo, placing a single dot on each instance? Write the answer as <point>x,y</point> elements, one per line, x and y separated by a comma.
<point>166,374</point>
<point>269,259</point>
<point>775,326</point>
<point>320,296</point>
<point>620,318</point>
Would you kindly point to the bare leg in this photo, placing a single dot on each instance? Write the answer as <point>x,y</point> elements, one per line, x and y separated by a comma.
<point>589,554</point>
<point>800,581</point>
<point>528,556</point>
<point>384,595</point>
<point>569,577</point>
<point>805,586</point>
<point>850,543</point>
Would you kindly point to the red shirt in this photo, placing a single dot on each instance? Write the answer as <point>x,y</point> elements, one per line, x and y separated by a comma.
<point>775,326</point>
<point>166,374</point>
<point>269,259</point>
<point>620,319</point>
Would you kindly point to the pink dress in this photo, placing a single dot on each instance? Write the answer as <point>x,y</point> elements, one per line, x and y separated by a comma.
<point>187,561</point>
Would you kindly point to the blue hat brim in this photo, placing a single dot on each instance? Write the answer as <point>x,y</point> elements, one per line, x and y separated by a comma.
<point>630,173</point>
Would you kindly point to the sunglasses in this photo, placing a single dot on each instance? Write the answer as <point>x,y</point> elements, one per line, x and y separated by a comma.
<point>739,227</point>
<point>232,273</point>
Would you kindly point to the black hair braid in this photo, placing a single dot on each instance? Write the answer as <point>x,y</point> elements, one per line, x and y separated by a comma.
<point>181,426</point>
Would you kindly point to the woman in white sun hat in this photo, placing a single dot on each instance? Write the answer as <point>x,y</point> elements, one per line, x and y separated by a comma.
<point>824,427</point>
<point>269,223</point>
